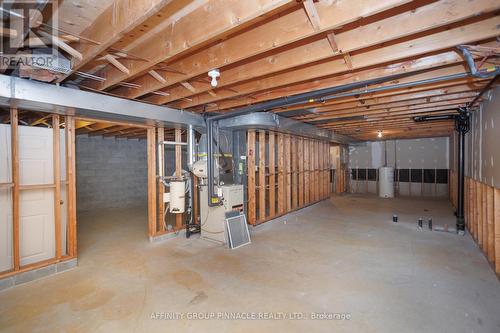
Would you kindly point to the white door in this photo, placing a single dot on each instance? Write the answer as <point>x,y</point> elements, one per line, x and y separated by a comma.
<point>36,216</point>
<point>36,220</point>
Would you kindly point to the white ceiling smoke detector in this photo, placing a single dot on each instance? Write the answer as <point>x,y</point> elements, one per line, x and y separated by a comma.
<point>214,74</point>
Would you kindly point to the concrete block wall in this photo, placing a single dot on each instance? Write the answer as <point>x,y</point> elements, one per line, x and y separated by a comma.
<point>110,172</point>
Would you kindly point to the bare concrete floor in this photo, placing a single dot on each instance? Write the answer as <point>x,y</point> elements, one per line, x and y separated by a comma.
<point>340,256</point>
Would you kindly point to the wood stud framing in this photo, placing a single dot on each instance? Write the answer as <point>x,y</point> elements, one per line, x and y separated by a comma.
<point>57,182</point>
<point>70,184</point>
<point>152,207</point>
<point>299,160</point>
<point>482,219</point>
<point>15,188</point>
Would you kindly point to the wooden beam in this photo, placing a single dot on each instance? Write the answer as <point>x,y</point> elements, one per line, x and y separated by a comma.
<point>62,45</point>
<point>288,177</point>
<point>487,28</point>
<point>307,166</point>
<point>497,229</point>
<point>407,99</point>
<point>56,138</point>
<point>407,93</point>
<point>152,200</point>
<point>294,161</point>
<point>113,61</point>
<point>157,76</point>
<point>262,175</point>
<point>251,177</point>
<point>71,233</point>
<point>348,60</point>
<point>124,16</point>
<point>286,29</point>
<point>188,86</point>
<point>428,17</point>
<point>160,226</point>
<point>300,156</point>
<point>333,43</point>
<point>490,223</point>
<point>14,139</point>
<point>312,14</point>
<point>272,174</point>
<point>281,174</point>
<point>167,43</point>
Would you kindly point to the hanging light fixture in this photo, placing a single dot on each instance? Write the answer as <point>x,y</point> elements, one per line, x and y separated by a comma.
<point>379,134</point>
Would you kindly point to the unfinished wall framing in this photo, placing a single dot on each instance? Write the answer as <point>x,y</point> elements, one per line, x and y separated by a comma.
<point>62,190</point>
<point>482,219</point>
<point>156,207</point>
<point>285,173</point>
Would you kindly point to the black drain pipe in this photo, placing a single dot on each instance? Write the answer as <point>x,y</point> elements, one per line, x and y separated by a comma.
<point>462,126</point>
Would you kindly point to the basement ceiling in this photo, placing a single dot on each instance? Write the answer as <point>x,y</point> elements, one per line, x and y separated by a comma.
<point>159,52</point>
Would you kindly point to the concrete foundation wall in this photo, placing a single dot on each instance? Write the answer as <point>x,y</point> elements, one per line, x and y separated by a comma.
<point>482,142</point>
<point>110,172</point>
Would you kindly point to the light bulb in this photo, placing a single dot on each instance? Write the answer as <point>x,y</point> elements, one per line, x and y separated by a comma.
<point>379,134</point>
<point>214,74</point>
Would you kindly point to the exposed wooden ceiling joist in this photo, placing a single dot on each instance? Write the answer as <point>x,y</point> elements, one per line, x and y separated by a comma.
<point>429,17</point>
<point>219,18</point>
<point>286,29</point>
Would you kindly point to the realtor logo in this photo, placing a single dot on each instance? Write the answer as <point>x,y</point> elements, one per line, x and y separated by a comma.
<point>28,35</point>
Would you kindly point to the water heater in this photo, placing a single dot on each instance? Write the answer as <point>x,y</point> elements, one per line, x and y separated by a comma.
<point>177,196</point>
<point>386,182</point>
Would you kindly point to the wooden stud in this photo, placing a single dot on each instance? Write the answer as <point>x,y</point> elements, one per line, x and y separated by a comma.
<point>307,164</point>
<point>312,14</point>
<point>157,76</point>
<point>152,207</point>
<point>479,214</point>
<point>473,209</point>
<point>62,45</point>
<point>262,175</point>
<point>490,222</point>
<point>272,175</point>
<point>496,212</point>
<point>301,171</point>
<point>288,178</point>
<point>333,43</point>
<point>294,162</point>
<point>188,86</point>
<point>160,225</point>
<point>71,189</point>
<point>251,177</point>
<point>195,199</point>
<point>281,174</point>
<point>113,61</point>
<point>484,218</point>
<point>56,140</point>
<point>317,172</point>
<point>14,120</point>
<point>178,172</point>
